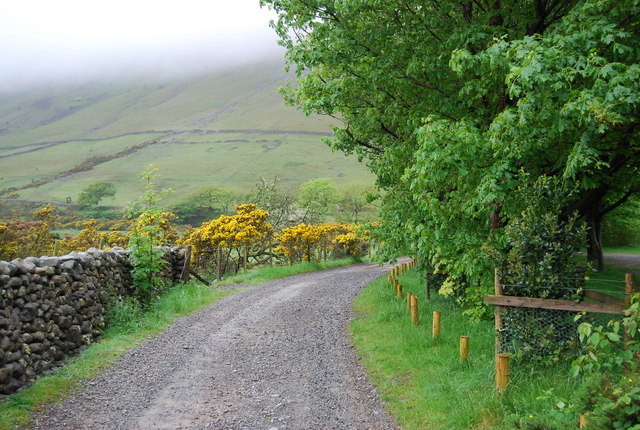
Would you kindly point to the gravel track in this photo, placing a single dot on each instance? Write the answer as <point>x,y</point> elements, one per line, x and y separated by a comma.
<point>276,356</point>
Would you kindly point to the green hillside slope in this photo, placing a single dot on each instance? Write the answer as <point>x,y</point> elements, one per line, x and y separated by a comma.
<point>229,127</point>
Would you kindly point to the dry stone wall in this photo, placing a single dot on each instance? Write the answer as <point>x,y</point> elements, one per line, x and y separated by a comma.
<point>52,307</point>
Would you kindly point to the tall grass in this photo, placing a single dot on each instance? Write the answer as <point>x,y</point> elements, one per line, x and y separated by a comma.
<point>129,325</point>
<point>422,379</point>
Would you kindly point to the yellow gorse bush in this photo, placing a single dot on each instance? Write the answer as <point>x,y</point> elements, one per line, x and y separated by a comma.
<point>248,226</point>
<point>313,241</point>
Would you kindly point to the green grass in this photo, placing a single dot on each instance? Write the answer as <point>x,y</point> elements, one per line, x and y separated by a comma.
<point>631,249</point>
<point>264,274</point>
<point>242,99</point>
<point>423,381</point>
<point>131,327</point>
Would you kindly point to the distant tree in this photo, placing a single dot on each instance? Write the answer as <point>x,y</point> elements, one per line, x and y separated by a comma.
<point>354,201</point>
<point>92,194</point>
<point>316,198</point>
<point>268,195</point>
<point>205,204</point>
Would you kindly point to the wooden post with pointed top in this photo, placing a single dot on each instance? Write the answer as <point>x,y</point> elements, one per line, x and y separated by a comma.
<point>415,318</point>
<point>502,371</point>
<point>629,288</point>
<point>435,332</point>
<point>464,348</point>
<point>219,263</point>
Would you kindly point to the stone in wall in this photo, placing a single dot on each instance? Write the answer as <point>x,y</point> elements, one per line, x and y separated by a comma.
<point>52,307</point>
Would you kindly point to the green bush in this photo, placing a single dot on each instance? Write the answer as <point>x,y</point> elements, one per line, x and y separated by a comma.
<point>611,393</point>
<point>542,262</point>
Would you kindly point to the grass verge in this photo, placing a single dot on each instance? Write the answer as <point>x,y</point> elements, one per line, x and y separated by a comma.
<point>423,381</point>
<point>631,249</point>
<point>130,327</point>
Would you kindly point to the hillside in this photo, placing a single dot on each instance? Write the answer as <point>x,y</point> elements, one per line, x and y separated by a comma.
<point>229,127</point>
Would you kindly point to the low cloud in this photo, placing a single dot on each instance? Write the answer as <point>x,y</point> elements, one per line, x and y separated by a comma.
<point>44,42</point>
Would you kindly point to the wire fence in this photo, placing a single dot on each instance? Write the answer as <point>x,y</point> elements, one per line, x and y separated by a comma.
<point>536,318</point>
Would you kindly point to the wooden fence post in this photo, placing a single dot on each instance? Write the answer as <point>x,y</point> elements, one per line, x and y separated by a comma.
<point>399,291</point>
<point>186,269</point>
<point>56,247</point>
<point>435,332</point>
<point>415,318</point>
<point>583,420</point>
<point>629,288</point>
<point>502,371</point>
<point>498,309</point>
<point>219,264</point>
<point>409,295</point>
<point>246,257</point>
<point>464,348</point>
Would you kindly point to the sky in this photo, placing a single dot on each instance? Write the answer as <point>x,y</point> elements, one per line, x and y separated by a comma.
<point>49,41</point>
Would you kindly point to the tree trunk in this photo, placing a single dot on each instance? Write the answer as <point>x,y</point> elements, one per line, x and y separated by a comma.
<point>594,236</point>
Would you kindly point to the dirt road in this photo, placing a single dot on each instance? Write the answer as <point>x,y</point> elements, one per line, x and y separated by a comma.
<point>276,356</point>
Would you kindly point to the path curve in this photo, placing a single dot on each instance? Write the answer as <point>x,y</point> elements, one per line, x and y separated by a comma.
<point>276,356</point>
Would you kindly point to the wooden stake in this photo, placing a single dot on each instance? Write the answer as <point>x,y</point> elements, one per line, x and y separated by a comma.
<point>219,264</point>
<point>399,291</point>
<point>464,348</point>
<point>502,371</point>
<point>409,295</point>
<point>186,269</point>
<point>629,288</point>
<point>415,318</point>
<point>435,332</point>
<point>583,420</point>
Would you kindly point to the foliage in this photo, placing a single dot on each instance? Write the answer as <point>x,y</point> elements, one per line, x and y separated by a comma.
<point>152,194</point>
<point>313,242</point>
<point>355,201</point>
<point>316,198</point>
<point>20,239</point>
<point>611,396</point>
<point>205,204</point>
<point>146,257</point>
<point>622,226</point>
<point>245,233</point>
<point>87,238</point>
<point>152,230</point>
<point>542,262</point>
<point>268,194</point>
<point>8,247</point>
<point>92,194</point>
<point>449,101</point>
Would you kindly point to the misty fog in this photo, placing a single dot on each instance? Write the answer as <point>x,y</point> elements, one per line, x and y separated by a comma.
<point>73,41</point>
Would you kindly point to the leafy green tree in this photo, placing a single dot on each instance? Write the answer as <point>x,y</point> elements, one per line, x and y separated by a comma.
<point>268,194</point>
<point>92,194</point>
<point>316,198</point>
<point>448,102</point>
<point>205,204</point>
<point>355,201</point>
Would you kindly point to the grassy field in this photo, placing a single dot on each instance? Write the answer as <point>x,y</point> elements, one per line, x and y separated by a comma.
<point>425,384</point>
<point>171,114</point>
